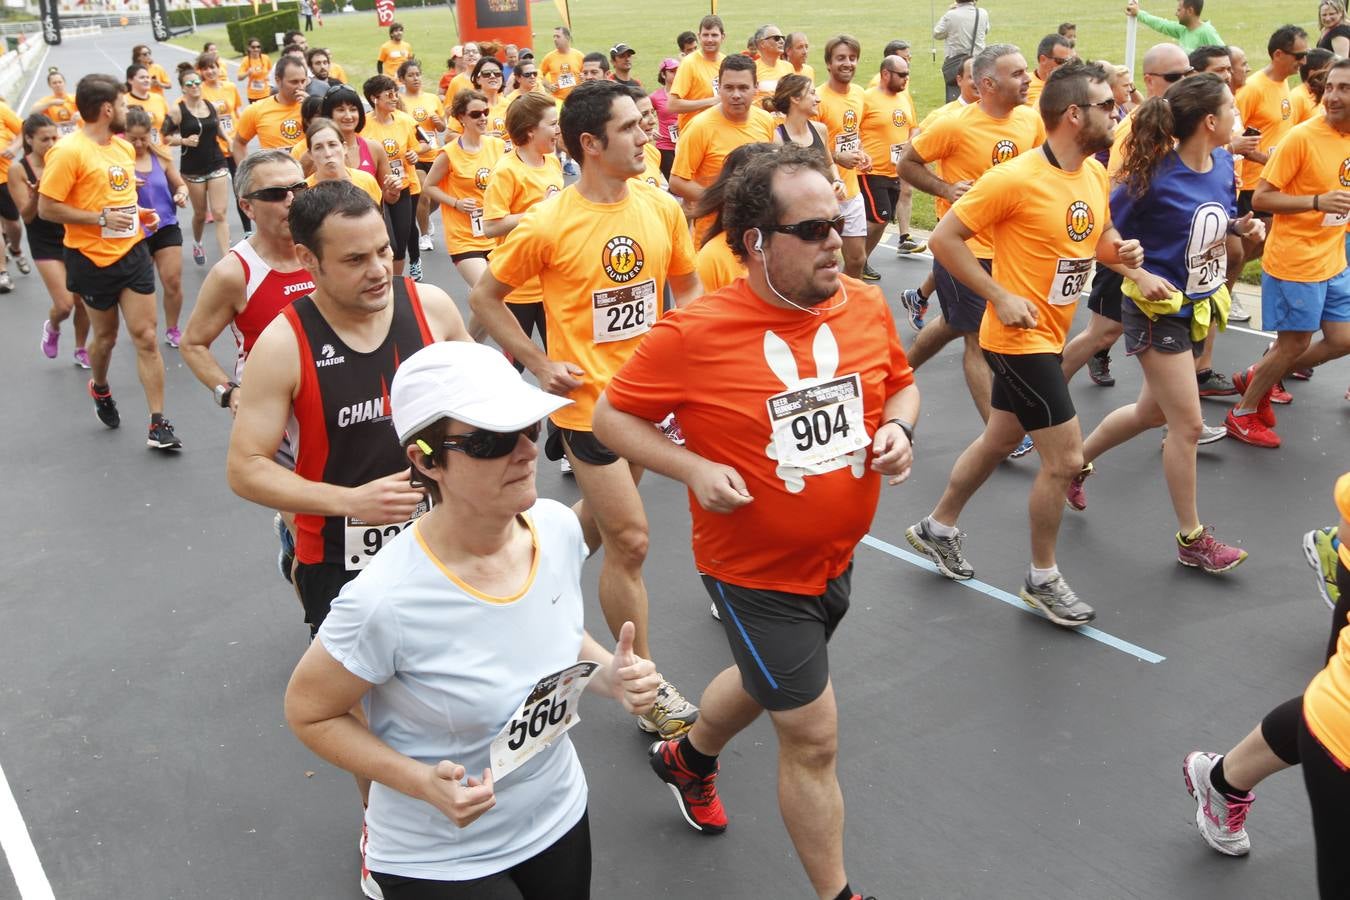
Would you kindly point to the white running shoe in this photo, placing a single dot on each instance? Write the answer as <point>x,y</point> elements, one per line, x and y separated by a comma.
<point>1220,818</point>
<point>424,243</point>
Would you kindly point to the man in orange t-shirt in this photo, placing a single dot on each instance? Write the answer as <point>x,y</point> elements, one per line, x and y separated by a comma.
<point>965,144</point>
<point>841,111</point>
<point>887,122</point>
<point>604,250</point>
<point>1047,216</point>
<point>560,69</point>
<point>695,86</point>
<point>89,186</point>
<point>796,400</point>
<point>1304,283</point>
<point>276,120</point>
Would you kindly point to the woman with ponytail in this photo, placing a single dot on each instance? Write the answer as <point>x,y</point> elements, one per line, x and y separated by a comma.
<point>1175,195</point>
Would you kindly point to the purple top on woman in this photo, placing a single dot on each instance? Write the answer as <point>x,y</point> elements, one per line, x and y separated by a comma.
<point>155,193</point>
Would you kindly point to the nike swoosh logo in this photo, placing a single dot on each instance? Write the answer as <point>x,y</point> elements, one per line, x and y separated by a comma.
<point>556,598</point>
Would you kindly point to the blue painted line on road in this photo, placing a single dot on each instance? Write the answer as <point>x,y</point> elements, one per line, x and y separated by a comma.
<point>989,590</point>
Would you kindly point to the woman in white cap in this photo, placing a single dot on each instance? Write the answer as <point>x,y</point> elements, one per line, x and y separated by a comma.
<point>463,642</point>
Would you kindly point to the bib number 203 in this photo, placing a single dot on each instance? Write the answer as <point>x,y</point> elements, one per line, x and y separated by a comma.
<point>819,427</point>
<point>548,711</point>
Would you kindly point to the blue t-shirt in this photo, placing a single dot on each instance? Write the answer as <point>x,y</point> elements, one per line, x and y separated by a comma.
<point>1182,223</point>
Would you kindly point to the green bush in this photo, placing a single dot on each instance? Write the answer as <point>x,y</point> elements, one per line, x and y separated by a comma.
<point>365,5</point>
<point>214,15</point>
<point>263,28</point>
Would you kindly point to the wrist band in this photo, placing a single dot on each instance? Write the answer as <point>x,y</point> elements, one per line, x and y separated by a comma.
<point>904,426</point>
<point>1315,209</point>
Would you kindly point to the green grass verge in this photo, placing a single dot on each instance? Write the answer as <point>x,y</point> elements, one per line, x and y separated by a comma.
<point>650,27</point>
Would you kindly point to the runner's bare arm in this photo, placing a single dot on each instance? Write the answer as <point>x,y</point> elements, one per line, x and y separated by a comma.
<point>1113,249</point>
<point>686,189</point>
<point>238,148</point>
<point>443,316</point>
<point>892,452</point>
<point>432,186</point>
<point>65,214</point>
<point>217,304</point>
<point>948,244</point>
<point>502,226</point>
<point>25,195</point>
<point>913,169</point>
<point>686,288</point>
<point>718,488</point>
<point>680,106</point>
<point>487,301</point>
<point>319,700</point>
<point>1268,198</point>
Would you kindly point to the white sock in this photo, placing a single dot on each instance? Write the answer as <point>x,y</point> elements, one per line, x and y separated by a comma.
<point>1041,577</point>
<point>940,530</point>
<point>1241,411</point>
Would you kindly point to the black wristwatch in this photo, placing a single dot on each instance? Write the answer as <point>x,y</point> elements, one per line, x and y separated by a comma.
<point>223,392</point>
<point>907,428</point>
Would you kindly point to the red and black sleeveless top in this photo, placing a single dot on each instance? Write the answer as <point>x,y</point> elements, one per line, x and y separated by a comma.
<point>345,425</point>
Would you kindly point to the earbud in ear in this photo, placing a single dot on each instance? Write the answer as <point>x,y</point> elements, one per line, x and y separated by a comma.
<point>759,241</point>
<point>428,455</point>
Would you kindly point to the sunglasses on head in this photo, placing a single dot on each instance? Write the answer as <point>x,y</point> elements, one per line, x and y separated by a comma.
<point>812,231</point>
<point>489,444</point>
<point>275,194</point>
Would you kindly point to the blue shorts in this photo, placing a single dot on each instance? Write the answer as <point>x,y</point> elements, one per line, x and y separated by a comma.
<point>1304,305</point>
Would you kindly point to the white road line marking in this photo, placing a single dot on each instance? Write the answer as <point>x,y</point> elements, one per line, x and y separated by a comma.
<point>19,849</point>
<point>33,80</point>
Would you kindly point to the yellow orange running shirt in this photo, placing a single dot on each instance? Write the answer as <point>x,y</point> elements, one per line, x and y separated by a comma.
<point>514,187</point>
<point>88,175</point>
<point>603,268</point>
<point>888,120</point>
<point>467,176</point>
<point>364,180</point>
<point>257,72</point>
<point>276,126</point>
<point>422,108</point>
<point>562,70</point>
<point>393,54</point>
<point>842,116</point>
<point>1309,246</point>
<point>695,79</point>
<point>157,109</point>
<point>970,142</point>
<point>1044,224</point>
<point>1326,702</point>
<point>62,112</point>
<point>225,98</point>
<point>397,137</point>
<point>1264,105</point>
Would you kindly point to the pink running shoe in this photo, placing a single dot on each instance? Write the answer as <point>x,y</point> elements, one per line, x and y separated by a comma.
<point>50,338</point>
<point>1075,496</point>
<point>1220,818</point>
<point>1208,553</point>
<point>82,357</point>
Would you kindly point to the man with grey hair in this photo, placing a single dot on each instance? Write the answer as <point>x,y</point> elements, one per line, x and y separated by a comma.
<point>964,145</point>
<point>771,65</point>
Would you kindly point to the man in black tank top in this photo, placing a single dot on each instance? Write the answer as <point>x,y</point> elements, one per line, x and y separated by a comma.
<point>327,361</point>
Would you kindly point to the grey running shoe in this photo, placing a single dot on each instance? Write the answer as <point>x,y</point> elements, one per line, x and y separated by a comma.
<point>915,308</point>
<point>1219,817</point>
<point>944,552</point>
<point>1237,313</point>
<point>1208,434</point>
<point>671,716</point>
<point>870,274</point>
<point>1023,448</point>
<point>1217,384</point>
<point>908,245</point>
<point>1058,601</point>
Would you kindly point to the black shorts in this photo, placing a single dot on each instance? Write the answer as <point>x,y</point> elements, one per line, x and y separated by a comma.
<point>961,307</point>
<point>1166,334</point>
<point>7,208</point>
<point>164,236</point>
<point>1031,386</point>
<point>1244,206</point>
<point>422,166</point>
<point>880,194</point>
<point>457,258</point>
<point>779,640</point>
<point>583,444</point>
<point>101,287</point>
<point>46,243</point>
<point>317,585</point>
<point>1105,297</point>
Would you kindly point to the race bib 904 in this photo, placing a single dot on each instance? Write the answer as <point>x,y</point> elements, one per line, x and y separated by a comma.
<point>818,422</point>
<point>547,713</point>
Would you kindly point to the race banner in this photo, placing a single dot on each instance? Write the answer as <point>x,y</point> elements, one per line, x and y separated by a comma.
<point>564,12</point>
<point>51,22</point>
<point>502,13</point>
<point>384,12</point>
<point>159,20</point>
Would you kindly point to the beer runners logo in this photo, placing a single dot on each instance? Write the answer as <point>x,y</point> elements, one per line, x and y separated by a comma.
<point>1004,150</point>
<point>118,179</point>
<point>850,121</point>
<point>419,113</point>
<point>480,178</point>
<point>290,129</point>
<point>1285,109</point>
<point>390,146</point>
<point>1079,221</point>
<point>899,119</point>
<point>551,190</point>
<point>622,259</point>
<point>1345,173</point>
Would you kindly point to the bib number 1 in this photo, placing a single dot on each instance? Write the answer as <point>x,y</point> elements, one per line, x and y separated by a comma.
<point>547,713</point>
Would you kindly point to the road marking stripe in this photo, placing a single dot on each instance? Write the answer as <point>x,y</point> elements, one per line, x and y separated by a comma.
<point>19,849</point>
<point>1086,631</point>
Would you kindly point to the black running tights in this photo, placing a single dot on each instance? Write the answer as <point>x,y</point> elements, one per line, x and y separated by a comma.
<point>402,224</point>
<point>562,872</point>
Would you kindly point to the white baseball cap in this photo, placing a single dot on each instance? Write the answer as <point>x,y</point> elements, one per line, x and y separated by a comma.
<point>470,383</point>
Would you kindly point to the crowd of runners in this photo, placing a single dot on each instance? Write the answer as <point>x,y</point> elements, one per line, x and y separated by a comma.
<point>684,272</point>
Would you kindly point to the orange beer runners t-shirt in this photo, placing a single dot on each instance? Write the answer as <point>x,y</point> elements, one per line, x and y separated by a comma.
<point>969,142</point>
<point>603,269</point>
<point>1044,224</point>
<point>466,177</point>
<point>514,187</point>
<point>276,125</point>
<point>1308,246</point>
<point>791,402</point>
<point>88,175</point>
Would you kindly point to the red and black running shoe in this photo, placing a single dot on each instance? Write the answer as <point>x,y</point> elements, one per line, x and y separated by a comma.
<point>697,795</point>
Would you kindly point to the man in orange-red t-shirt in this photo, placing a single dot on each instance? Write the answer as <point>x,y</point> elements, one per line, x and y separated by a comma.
<point>795,399</point>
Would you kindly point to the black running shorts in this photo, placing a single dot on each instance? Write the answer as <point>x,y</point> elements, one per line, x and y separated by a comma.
<point>1031,386</point>
<point>779,640</point>
<point>961,307</point>
<point>1105,297</point>
<point>102,286</point>
<point>584,445</point>
<point>880,194</point>
<point>318,585</point>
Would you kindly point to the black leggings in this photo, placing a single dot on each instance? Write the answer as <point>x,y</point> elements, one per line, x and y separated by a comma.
<point>531,318</point>
<point>402,224</point>
<point>562,872</point>
<point>1280,726</point>
<point>1328,787</point>
<point>667,160</point>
